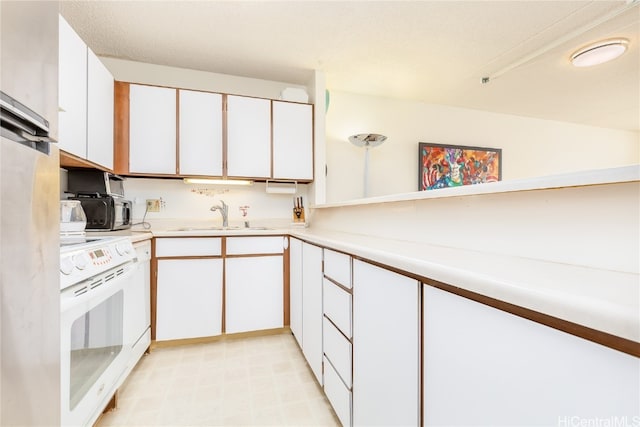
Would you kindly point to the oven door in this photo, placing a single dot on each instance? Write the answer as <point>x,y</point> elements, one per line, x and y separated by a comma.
<point>94,353</point>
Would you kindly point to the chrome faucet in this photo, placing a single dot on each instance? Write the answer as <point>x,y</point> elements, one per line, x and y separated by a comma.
<point>224,211</point>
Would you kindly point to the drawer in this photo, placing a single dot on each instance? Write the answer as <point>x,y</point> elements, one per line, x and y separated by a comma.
<point>188,246</point>
<point>338,394</point>
<point>337,306</point>
<point>255,245</point>
<point>338,350</point>
<point>337,266</point>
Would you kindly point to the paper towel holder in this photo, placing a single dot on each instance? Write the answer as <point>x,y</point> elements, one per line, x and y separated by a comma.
<point>281,187</point>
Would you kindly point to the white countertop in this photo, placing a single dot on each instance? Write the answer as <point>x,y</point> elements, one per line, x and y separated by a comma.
<point>607,301</point>
<point>215,232</point>
<point>134,235</point>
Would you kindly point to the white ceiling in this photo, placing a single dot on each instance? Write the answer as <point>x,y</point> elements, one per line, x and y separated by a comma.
<point>431,51</point>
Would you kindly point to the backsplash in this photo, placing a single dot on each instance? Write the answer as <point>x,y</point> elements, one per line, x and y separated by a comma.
<point>193,201</point>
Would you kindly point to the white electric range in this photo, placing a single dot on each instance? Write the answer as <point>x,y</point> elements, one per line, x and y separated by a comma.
<point>98,283</point>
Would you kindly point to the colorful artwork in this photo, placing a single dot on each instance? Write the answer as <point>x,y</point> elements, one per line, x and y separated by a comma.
<point>441,166</point>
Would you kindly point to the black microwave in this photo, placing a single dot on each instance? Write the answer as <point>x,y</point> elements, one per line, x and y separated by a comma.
<point>105,212</point>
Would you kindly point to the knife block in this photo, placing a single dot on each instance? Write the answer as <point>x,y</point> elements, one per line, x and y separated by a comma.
<point>298,215</point>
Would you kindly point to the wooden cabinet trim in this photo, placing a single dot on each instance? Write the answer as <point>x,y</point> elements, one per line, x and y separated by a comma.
<point>338,284</point>
<point>313,143</point>
<point>177,168</point>
<point>121,127</point>
<point>154,289</point>
<point>338,329</point>
<point>286,293</point>
<point>271,139</point>
<point>225,132</point>
<point>253,255</point>
<point>189,257</point>
<point>68,160</point>
<point>223,248</point>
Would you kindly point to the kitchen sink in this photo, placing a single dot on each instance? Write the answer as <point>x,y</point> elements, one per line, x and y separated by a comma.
<point>232,228</point>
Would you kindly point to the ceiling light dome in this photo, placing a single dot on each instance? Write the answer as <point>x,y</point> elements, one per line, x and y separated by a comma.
<point>599,52</point>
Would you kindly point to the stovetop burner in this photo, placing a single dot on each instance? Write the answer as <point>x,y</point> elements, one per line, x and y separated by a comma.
<point>68,241</point>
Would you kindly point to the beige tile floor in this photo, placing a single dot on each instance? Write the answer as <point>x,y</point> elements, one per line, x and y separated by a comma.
<point>246,381</point>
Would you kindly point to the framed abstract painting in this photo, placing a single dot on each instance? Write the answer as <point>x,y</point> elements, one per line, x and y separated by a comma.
<point>442,166</point>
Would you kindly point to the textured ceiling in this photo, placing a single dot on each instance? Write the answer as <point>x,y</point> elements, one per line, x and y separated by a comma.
<point>432,51</point>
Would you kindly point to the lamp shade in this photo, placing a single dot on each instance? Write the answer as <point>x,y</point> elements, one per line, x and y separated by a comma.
<point>367,139</point>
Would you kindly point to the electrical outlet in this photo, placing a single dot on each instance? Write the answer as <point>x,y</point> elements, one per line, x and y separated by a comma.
<point>153,205</point>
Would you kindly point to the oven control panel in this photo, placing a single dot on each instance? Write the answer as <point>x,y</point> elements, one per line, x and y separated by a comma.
<point>85,260</point>
<point>100,256</point>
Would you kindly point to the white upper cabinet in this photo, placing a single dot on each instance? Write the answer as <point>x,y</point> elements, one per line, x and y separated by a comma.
<point>218,135</point>
<point>292,141</point>
<point>72,91</point>
<point>248,137</point>
<point>99,112</point>
<point>85,93</point>
<point>200,133</point>
<point>152,130</point>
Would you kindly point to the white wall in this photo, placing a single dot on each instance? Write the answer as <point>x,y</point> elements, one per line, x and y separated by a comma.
<point>530,147</point>
<point>161,75</point>
<point>191,202</point>
<point>594,226</point>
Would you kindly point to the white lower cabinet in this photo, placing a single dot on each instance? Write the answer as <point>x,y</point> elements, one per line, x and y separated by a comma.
<point>386,353</point>
<point>189,298</point>
<point>483,366</point>
<point>338,393</point>
<point>295,288</point>
<point>254,293</point>
<point>337,332</point>
<point>337,306</point>
<point>305,285</point>
<point>337,348</point>
<point>312,307</point>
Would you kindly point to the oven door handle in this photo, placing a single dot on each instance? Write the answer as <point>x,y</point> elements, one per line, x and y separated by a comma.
<point>88,290</point>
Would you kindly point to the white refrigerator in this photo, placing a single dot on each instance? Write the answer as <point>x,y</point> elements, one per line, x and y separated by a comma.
<point>29,211</point>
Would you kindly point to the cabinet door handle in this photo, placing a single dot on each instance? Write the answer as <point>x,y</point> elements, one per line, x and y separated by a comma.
<point>285,243</point>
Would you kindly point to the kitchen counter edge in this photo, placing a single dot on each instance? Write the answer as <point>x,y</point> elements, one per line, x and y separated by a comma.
<point>603,300</point>
<point>606,301</point>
